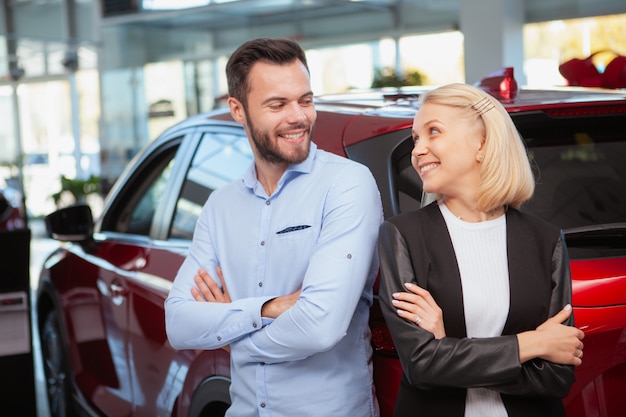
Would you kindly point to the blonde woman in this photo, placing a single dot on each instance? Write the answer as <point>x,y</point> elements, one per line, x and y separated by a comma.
<point>475,292</point>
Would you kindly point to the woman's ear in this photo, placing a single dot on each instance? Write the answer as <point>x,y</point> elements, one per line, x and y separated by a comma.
<point>480,152</point>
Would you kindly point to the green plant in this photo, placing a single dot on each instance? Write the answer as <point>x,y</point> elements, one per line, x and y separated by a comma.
<point>78,189</point>
<point>388,77</point>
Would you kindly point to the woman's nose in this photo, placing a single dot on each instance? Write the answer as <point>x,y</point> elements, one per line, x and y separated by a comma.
<point>419,149</point>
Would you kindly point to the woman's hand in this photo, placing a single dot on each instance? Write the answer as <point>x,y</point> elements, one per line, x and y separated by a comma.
<point>553,341</point>
<point>419,307</point>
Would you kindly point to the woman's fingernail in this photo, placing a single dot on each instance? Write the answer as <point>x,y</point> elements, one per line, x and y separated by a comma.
<point>408,284</point>
<point>567,307</point>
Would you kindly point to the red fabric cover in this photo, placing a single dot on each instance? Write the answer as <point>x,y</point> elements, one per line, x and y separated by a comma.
<point>583,72</point>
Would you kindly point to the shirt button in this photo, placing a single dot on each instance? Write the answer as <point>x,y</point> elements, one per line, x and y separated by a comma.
<point>262,405</point>
<point>262,363</point>
<point>254,325</point>
<point>260,284</point>
<point>349,256</point>
<point>267,203</point>
<point>263,243</point>
<point>219,338</point>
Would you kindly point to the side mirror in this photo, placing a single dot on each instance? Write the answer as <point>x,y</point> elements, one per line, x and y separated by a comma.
<point>70,224</point>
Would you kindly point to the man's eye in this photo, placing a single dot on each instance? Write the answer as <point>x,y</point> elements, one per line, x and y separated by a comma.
<point>415,140</point>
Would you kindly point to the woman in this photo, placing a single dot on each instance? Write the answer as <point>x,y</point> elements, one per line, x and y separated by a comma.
<point>476,293</point>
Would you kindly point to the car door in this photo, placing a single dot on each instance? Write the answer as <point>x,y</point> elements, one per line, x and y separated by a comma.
<point>98,308</point>
<point>124,245</point>
<point>212,157</point>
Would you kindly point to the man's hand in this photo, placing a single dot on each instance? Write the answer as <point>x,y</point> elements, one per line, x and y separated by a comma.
<point>277,306</point>
<point>207,289</point>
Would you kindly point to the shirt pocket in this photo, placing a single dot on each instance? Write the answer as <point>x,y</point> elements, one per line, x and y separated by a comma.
<point>296,232</point>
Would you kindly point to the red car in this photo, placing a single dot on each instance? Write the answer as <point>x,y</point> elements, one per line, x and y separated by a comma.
<point>100,297</point>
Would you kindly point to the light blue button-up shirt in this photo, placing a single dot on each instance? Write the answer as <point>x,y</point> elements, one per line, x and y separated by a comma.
<point>318,233</point>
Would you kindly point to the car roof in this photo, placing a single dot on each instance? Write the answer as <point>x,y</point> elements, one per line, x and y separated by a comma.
<point>345,119</point>
<point>397,100</point>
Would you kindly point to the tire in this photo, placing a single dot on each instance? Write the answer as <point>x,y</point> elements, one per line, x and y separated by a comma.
<point>55,366</point>
<point>211,399</point>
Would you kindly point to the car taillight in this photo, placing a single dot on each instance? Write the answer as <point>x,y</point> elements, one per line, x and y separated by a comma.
<point>501,84</point>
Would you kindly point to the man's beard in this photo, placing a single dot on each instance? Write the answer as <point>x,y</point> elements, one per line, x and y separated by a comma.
<point>271,153</point>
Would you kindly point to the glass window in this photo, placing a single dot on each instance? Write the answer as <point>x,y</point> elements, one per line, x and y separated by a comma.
<point>141,217</point>
<point>220,158</point>
<point>135,205</point>
<point>581,175</point>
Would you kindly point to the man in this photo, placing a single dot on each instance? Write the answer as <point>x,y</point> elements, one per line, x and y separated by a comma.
<point>283,260</point>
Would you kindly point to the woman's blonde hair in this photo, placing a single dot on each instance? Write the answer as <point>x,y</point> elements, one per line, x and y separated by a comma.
<point>506,174</point>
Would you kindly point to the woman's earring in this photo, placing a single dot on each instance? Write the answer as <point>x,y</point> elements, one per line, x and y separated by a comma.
<point>480,157</point>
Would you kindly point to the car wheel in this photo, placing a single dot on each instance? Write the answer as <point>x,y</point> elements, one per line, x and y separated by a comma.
<point>55,368</point>
<point>211,399</point>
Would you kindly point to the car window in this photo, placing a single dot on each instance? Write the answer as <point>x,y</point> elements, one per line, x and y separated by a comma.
<point>580,170</point>
<point>141,217</point>
<point>221,157</point>
<point>581,181</point>
<point>134,207</point>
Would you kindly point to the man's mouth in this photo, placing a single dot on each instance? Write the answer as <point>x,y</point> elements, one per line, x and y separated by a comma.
<point>293,137</point>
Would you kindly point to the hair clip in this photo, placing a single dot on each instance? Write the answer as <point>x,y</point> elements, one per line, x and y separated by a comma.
<point>483,105</point>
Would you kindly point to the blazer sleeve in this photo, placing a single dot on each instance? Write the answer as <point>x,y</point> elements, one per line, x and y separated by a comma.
<point>541,377</point>
<point>426,361</point>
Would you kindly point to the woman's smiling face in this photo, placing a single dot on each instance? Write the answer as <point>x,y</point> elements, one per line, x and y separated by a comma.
<point>448,141</point>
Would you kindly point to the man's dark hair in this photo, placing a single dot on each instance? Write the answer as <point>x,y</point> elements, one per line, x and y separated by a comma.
<point>269,50</point>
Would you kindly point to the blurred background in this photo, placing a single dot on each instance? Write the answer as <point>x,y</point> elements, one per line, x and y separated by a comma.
<point>85,84</point>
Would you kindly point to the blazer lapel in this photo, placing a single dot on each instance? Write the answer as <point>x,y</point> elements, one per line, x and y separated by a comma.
<point>445,284</point>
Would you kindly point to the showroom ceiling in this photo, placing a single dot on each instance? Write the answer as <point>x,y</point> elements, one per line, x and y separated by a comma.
<point>328,22</point>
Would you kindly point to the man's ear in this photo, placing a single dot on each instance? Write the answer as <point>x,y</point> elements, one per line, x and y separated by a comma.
<point>237,110</point>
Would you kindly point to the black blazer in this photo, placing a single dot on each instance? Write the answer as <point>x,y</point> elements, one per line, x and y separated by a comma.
<point>416,247</point>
